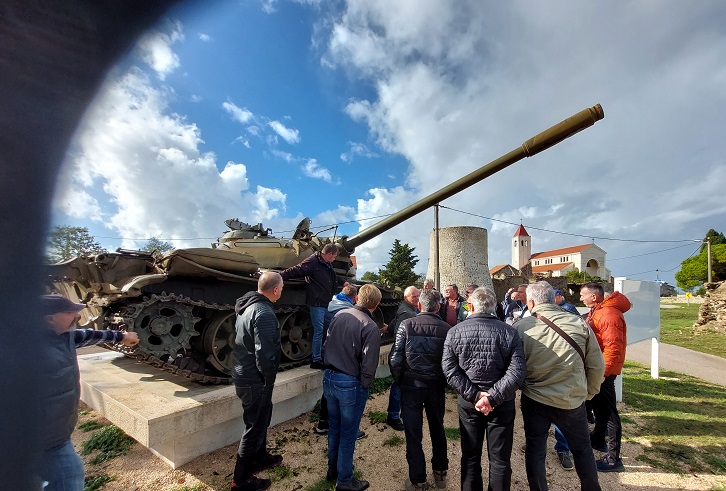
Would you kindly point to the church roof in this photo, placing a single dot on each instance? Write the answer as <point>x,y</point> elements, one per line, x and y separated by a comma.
<point>521,231</point>
<point>499,268</point>
<point>559,252</point>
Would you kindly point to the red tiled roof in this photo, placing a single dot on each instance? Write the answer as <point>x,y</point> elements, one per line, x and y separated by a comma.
<point>559,252</point>
<point>550,267</point>
<point>521,231</point>
<point>498,268</point>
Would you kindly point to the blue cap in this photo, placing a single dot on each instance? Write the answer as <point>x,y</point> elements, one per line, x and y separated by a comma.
<point>52,304</point>
<point>559,292</point>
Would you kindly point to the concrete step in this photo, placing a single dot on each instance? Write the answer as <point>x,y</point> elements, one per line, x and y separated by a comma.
<point>177,419</point>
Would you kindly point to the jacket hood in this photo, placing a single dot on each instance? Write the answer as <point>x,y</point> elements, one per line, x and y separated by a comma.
<point>338,304</point>
<point>249,298</point>
<point>618,301</point>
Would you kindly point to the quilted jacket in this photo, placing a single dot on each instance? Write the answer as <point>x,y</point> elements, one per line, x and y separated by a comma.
<point>608,324</point>
<point>415,358</point>
<point>483,353</point>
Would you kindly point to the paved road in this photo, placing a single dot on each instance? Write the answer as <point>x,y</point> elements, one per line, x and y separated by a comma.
<point>674,358</point>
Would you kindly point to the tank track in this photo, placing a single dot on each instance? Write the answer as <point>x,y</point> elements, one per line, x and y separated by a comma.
<point>182,365</point>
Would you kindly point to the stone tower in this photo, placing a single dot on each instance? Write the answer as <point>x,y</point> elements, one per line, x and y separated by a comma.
<point>463,257</point>
<point>521,248</point>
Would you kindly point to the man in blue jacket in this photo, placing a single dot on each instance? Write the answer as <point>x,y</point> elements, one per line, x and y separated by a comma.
<point>61,467</point>
<point>256,360</point>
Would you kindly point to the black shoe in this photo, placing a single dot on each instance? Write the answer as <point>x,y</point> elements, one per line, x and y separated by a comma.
<point>331,475</point>
<point>609,464</point>
<point>265,462</point>
<point>322,428</point>
<point>353,485</point>
<point>252,484</point>
<point>361,434</point>
<point>395,423</point>
<point>565,460</point>
<point>318,365</point>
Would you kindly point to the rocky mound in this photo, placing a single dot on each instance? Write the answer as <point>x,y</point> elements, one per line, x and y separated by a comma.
<point>712,314</point>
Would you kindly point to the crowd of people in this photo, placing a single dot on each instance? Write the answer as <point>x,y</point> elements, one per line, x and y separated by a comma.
<point>485,350</point>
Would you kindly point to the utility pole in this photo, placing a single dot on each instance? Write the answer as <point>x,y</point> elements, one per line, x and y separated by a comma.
<point>437,278</point>
<point>708,243</point>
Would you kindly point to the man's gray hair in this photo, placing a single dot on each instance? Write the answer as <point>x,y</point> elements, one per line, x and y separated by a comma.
<point>409,289</point>
<point>484,300</point>
<point>541,292</point>
<point>429,300</point>
<point>428,281</point>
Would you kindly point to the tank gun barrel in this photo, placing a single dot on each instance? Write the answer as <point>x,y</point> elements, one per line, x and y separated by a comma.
<point>552,136</point>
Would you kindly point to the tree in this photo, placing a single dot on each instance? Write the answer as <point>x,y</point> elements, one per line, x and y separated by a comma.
<point>157,247</point>
<point>694,270</point>
<point>66,242</point>
<point>399,270</point>
<point>369,276</point>
<point>716,238</point>
<point>576,277</point>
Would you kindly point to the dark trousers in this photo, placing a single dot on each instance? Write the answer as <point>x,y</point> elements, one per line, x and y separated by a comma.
<point>257,413</point>
<point>498,427</point>
<point>414,401</point>
<point>323,415</point>
<point>573,425</point>
<point>607,419</point>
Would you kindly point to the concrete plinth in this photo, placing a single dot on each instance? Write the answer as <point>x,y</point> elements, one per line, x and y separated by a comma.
<point>177,419</point>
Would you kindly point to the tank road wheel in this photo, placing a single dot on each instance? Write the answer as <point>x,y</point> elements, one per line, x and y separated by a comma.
<point>218,341</point>
<point>296,335</point>
<point>165,328</point>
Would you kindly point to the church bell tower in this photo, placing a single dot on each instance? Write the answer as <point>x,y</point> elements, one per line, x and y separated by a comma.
<point>521,248</point>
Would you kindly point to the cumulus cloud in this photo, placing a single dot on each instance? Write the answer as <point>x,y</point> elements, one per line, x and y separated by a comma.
<point>289,135</point>
<point>143,165</point>
<point>156,49</point>
<point>311,168</point>
<point>239,114</point>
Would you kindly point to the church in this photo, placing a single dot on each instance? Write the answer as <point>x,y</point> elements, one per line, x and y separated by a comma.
<point>557,262</point>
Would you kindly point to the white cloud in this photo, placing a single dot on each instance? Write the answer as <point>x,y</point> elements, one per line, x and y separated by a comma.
<point>357,149</point>
<point>196,98</point>
<point>311,168</point>
<point>143,166</point>
<point>205,37</point>
<point>239,114</point>
<point>155,47</point>
<point>289,135</point>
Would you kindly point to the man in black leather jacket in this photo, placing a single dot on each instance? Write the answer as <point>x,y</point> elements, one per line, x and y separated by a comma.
<point>256,360</point>
<point>484,362</point>
<point>415,363</point>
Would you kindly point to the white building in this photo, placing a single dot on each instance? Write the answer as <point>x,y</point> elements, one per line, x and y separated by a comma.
<point>587,257</point>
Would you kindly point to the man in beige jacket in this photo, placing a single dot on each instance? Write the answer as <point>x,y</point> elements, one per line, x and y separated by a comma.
<point>559,379</point>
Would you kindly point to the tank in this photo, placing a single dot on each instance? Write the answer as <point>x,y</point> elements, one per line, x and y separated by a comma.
<point>181,304</point>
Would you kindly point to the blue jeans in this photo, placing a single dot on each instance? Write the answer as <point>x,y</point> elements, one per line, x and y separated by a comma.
<point>561,445</point>
<point>317,316</point>
<point>394,402</point>
<point>63,469</point>
<point>346,401</point>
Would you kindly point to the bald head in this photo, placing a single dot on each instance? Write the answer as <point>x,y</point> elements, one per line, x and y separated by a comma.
<point>270,285</point>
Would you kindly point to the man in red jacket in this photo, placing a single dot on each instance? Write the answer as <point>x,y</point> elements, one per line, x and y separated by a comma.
<point>607,321</point>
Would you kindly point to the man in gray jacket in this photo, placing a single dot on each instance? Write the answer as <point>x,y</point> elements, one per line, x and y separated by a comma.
<point>559,380</point>
<point>256,360</point>
<point>484,362</point>
<point>351,357</point>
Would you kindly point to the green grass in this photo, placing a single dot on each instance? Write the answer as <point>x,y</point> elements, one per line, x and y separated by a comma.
<point>676,327</point>
<point>681,420</point>
<point>110,442</point>
<point>96,482</point>
<point>393,441</point>
<point>90,425</point>
<point>452,433</point>
<point>280,472</point>
<point>377,416</point>
<point>196,487</point>
<point>323,485</point>
<point>380,385</point>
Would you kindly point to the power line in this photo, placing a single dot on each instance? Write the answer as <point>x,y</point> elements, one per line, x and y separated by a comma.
<point>663,270</point>
<point>649,253</point>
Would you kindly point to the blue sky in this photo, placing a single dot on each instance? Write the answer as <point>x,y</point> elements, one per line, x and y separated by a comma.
<point>273,111</point>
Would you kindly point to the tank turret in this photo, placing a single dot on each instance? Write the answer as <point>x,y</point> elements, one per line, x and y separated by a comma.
<point>182,303</point>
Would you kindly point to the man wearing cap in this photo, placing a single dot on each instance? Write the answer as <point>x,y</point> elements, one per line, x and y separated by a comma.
<point>562,303</point>
<point>61,466</point>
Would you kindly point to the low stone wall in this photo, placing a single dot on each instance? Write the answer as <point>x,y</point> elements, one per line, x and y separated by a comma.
<point>682,299</point>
